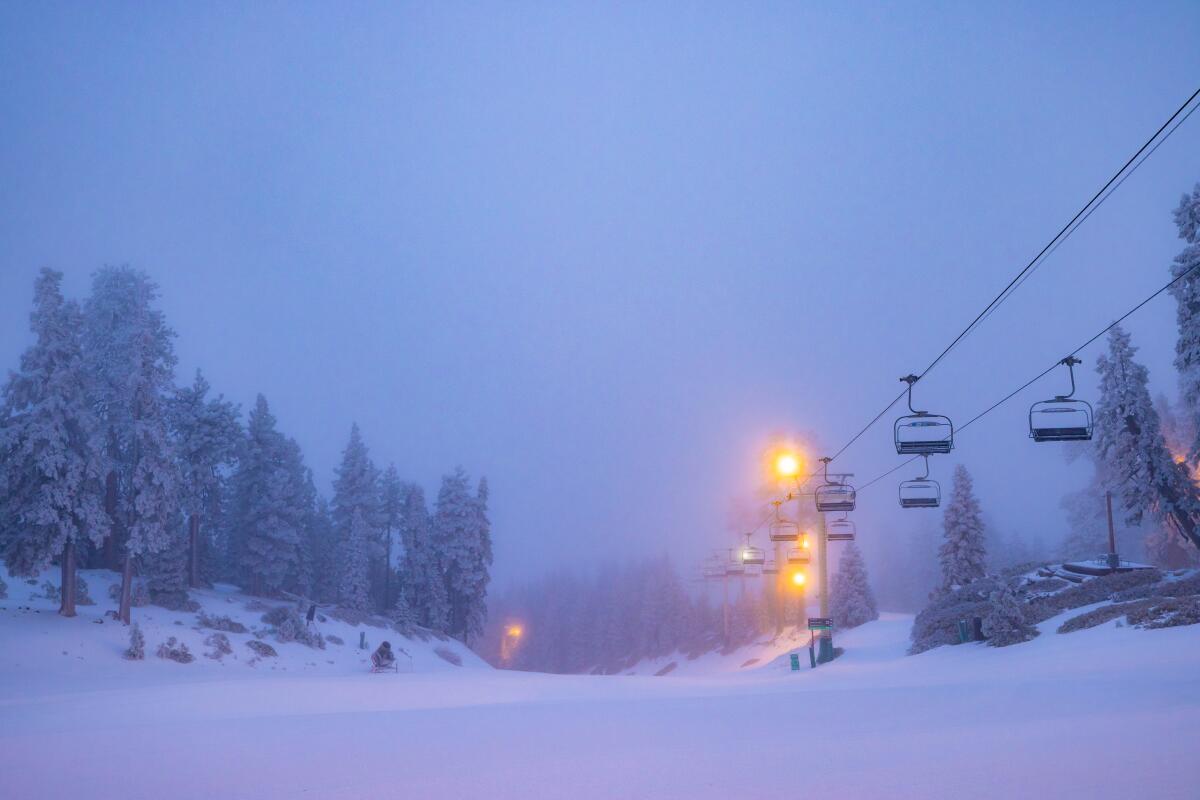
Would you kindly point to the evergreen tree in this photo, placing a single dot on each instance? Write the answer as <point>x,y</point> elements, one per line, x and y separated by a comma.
<point>267,517</point>
<point>1129,442</point>
<point>354,588</point>
<point>1187,298</point>
<point>1005,622</point>
<point>424,587</point>
<point>51,464</point>
<point>851,599</point>
<point>207,435</point>
<point>128,351</point>
<point>391,505</point>
<point>463,541</point>
<point>355,521</point>
<point>962,554</point>
<point>321,552</point>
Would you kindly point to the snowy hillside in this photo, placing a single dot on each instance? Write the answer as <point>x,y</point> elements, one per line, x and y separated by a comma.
<point>38,645</point>
<point>1096,713</point>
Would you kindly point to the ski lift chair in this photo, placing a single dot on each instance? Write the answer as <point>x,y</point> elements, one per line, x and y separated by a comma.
<point>798,555</point>
<point>1062,419</point>
<point>922,492</point>
<point>921,433</point>
<point>840,530</point>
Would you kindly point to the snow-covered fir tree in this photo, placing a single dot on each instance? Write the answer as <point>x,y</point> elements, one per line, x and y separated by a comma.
<point>51,463</point>
<point>461,536</point>
<point>1186,291</point>
<point>355,541</point>
<point>423,586</point>
<point>1005,622</point>
<point>391,506</point>
<point>208,436</point>
<point>320,552</point>
<point>1135,461</point>
<point>267,514</point>
<point>128,350</point>
<point>962,554</point>
<point>355,521</point>
<point>850,598</point>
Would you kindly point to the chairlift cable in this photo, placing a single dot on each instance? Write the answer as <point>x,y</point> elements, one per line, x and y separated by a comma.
<point>1080,216</point>
<point>1048,370</point>
<point>1092,210</point>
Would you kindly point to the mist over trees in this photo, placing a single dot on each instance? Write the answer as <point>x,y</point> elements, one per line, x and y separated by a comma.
<point>106,463</point>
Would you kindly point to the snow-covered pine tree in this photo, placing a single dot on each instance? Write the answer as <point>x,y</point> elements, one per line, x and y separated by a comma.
<point>354,587</point>
<point>1187,298</point>
<point>391,505</point>
<point>320,556</point>
<point>1135,461</point>
<point>266,518</point>
<point>166,570</point>
<point>461,536</point>
<point>851,600</point>
<point>51,463</point>
<point>1005,622</point>
<point>423,585</point>
<point>355,521</point>
<point>208,436</point>
<point>962,554</point>
<point>128,352</point>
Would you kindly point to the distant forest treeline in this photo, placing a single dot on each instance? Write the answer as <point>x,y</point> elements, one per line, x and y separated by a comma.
<point>106,463</point>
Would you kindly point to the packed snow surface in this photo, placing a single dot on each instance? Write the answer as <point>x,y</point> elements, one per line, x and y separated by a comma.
<point>1109,712</point>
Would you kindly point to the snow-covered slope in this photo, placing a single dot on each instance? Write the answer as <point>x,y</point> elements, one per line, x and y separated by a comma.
<point>1107,712</point>
<point>38,646</point>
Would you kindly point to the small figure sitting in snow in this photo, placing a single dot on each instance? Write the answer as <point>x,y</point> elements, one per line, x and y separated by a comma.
<point>384,659</point>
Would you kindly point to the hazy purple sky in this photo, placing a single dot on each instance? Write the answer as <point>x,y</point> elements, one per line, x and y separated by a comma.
<point>599,252</point>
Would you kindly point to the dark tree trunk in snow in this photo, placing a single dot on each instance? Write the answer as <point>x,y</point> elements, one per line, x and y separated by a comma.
<point>126,589</point>
<point>67,609</point>
<point>194,551</point>
<point>110,507</point>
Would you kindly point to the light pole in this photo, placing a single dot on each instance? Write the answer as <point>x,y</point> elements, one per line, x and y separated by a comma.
<point>787,465</point>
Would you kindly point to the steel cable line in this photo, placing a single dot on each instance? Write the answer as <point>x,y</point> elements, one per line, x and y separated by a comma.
<point>1065,231</point>
<point>1093,209</point>
<point>1049,369</point>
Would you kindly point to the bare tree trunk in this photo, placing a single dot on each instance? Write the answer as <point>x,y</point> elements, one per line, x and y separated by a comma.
<point>126,589</point>
<point>387,572</point>
<point>67,609</point>
<point>110,508</point>
<point>194,551</point>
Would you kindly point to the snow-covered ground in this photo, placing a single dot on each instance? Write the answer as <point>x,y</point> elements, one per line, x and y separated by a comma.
<point>1110,712</point>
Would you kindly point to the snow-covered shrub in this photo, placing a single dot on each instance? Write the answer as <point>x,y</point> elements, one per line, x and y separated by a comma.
<point>1183,587</point>
<point>1094,590</point>
<point>288,626</point>
<point>175,650</point>
<point>261,648</point>
<point>851,598</point>
<point>138,596</point>
<point>219,643</point>
<point>448,655</point>
<point>137,644</point>
<point>82,595</point>
<point>220,623</point>
<point>276,616</point>
<point>334,639</point>
<point>1045,586</point>
<point>937,624</point>
<point>51,592</point>
<point>1169,612</point>
<point>1099,616</point>
<point>1005,622</point>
